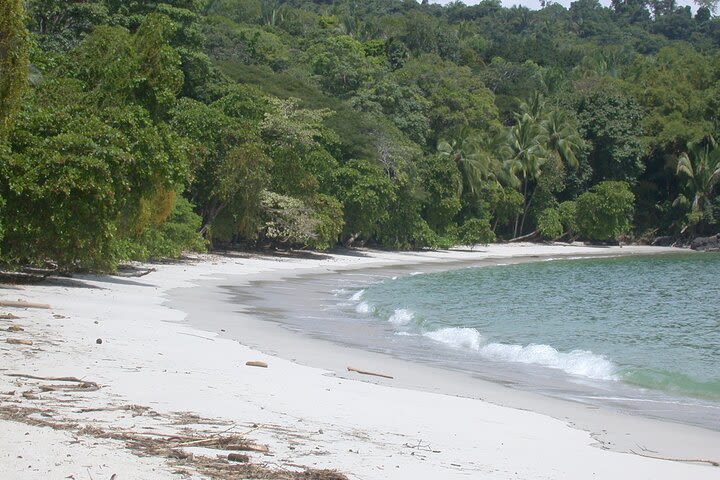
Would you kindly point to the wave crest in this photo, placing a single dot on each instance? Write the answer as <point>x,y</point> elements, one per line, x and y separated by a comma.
<point>362,307</point>
<point>357,295</point>
<point>577,362</point>
<point>401,317</point>
<point>457,337</point>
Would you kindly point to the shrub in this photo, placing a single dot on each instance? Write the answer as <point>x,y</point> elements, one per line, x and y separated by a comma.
<point>291,221</point>
<point>475,231</point>
<point>568,216</point>
<point>604,211</point>
<point>328,211</point>
<point>179,233</point>
<point>549,223</point>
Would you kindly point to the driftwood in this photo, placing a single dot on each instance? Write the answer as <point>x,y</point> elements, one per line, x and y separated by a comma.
<point>524,237</point>
<point>15,328</point>
<point>365,372</point>
<point>714,463</point>
<point>135,273</point>
<point>8,316</point>
<point>22,304</point>
<point>17,341</point>
<point>51,379</point>
<point>232,442</point>
<point>249,447</point>
<point>256,364</point>
<point>83,385</point>
<point>200,442</point>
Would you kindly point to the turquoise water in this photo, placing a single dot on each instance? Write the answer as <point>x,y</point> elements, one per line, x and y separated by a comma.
<point>651,322</point>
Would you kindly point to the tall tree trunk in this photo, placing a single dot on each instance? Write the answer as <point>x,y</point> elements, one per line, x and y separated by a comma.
<point>517,216</point>
<point>527,208</point>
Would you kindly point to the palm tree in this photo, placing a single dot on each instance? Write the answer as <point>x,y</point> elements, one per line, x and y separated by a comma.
<point>477,157</point>
<point>700,167</point>
<point>534,107</point>
<point>526,141</point>
<point>561,137</point>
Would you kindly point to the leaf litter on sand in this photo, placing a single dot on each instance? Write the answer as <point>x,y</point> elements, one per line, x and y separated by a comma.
<point>170,436</point>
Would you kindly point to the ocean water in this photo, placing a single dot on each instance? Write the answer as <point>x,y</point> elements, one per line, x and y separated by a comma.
<point>639,334</point>
<point>652,322</point>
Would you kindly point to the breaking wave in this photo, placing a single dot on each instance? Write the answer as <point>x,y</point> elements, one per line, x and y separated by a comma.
<point>576,362</point>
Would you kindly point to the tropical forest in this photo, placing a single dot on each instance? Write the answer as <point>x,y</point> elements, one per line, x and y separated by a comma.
<point>132,130</point>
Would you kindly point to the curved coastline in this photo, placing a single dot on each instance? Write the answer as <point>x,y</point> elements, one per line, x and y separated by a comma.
<point>612,430</point>
<point>162,351</point>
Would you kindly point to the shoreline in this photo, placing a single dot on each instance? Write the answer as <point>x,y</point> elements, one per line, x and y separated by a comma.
<point>280,340</point>
<point>271,314</point>
<point>311,416</point>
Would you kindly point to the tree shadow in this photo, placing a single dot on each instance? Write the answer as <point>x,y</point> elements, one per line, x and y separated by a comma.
<point>10,279</point>
<point>115,280</point>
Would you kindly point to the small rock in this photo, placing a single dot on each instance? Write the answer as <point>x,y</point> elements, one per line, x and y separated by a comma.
<point>99,341</point>
<point>256,364</point>
<point>321,431</point>
<point>238,457</point>
<point>15,328</point>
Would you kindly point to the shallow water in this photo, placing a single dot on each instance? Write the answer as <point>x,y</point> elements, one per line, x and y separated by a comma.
<point>648,321</point>
<point>639,334</point>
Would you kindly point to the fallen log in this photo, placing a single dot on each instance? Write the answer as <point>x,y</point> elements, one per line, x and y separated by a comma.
<point>23,304</point>
<point>17,341</point>
<point>365,372</point>
<point>134,273</point>
<point>524,237</point>
<point>8,316</point>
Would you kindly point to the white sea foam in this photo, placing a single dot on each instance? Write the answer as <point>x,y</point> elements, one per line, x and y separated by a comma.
<point>416,273</point>
<point>405,334</point>
<point>363,307</point>
<point>576,362</point>
<point>456,337</point>
<point>401,317</point>
<point>357,295</point>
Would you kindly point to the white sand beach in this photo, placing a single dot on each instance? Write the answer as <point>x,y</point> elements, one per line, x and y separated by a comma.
<point>119,384</point>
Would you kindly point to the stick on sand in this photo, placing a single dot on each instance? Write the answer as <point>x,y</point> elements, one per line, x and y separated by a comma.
<point>22,304</point>
<point>365,372</point>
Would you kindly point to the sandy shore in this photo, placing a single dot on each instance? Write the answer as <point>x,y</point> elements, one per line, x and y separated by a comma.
<point>137,403</point>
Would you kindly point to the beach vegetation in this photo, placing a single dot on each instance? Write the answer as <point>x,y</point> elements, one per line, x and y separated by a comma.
<point>475,231</point>
<point>131,130</point>
<point>605,211</point>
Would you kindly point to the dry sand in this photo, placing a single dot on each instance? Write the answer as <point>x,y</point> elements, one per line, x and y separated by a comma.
<point>164,384</point>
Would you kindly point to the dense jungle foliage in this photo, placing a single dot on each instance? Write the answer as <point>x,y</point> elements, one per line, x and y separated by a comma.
<point>136,129</point>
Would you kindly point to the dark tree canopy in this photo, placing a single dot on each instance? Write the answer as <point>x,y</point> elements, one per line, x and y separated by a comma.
<point>133,129</point>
